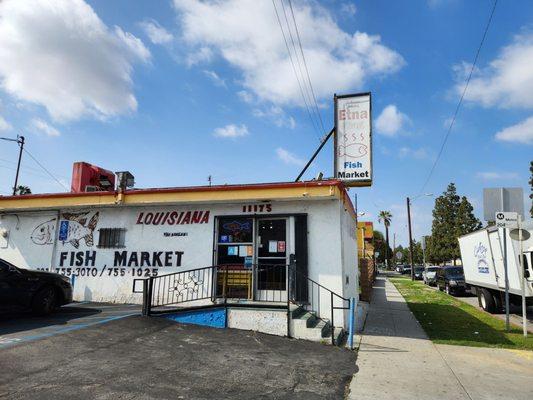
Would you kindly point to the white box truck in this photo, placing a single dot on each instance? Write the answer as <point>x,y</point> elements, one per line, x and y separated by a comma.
<point>482,256</point>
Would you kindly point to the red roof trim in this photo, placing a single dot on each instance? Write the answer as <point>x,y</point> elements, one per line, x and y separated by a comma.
<point>277,185</point>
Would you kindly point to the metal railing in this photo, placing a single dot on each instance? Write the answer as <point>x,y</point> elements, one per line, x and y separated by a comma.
<point>262,283</point>
<point>316,298</point>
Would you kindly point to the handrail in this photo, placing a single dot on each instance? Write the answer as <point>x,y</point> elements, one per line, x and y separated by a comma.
<point>204,283</point>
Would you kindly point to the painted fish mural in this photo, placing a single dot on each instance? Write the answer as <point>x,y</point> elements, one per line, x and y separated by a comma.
<point>74,227</point>
<point>44,233</point>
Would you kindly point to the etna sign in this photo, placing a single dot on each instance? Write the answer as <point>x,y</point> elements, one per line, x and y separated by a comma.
<point>353,139</point>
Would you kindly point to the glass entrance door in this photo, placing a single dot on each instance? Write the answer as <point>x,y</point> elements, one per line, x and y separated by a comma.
<point>271,261</point>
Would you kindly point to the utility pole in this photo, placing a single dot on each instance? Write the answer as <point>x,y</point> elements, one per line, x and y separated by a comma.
<point>410,239</point>
<point>20,141</point>
<point>394,248</point>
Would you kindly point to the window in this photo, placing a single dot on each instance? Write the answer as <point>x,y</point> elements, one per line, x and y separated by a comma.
<point>235,240</point>
<point>111,238</point>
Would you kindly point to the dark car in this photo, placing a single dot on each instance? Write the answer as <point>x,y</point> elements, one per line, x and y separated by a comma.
<point>39,291</point>
<point>419,273</point>
<point>451,279</point>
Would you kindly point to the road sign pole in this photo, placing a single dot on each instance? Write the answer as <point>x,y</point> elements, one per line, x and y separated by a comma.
<point>506,279</point>
<point>523,278</point>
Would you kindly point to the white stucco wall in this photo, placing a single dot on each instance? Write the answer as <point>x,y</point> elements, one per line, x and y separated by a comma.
<point>186,246</point>
<point>273,322</point>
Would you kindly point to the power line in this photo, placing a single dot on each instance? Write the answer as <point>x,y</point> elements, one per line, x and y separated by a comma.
<point>45,170</point>
<point>293,67</point>
<point>27,169</point>
<point>461,99</point>
<point>306,69</point>
<point>304,84</point>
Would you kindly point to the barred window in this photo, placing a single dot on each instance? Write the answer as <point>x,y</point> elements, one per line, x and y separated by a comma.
<point>111,238</point>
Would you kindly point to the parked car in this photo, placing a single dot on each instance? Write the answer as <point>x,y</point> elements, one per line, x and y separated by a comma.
<point>399,268</point>
<point>419,270</point>
<point>430,275</point>
<point>451,280</point>
<point>406,270</point>
<point>40,291</point>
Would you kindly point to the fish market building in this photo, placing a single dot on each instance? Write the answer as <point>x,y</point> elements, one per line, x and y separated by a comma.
<point>253,244</point>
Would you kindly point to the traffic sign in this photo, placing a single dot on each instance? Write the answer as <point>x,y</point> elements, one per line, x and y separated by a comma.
<point>399,255</point>
<point>506,219</point>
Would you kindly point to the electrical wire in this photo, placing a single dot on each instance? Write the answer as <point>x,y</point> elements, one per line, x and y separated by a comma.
<point>461,99</point>
<point>45,170</point>
<point>302,78</point>
<point>294,68</point>
<point>307,69</point>
<point>28,170</point>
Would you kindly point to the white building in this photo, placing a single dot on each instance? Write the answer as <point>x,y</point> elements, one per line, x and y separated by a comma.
<point>105,240</point>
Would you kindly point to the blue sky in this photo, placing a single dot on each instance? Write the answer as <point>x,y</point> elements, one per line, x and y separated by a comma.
<point>175,91</point>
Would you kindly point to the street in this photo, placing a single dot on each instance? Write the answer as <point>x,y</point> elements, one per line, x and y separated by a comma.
<point>515,313</point>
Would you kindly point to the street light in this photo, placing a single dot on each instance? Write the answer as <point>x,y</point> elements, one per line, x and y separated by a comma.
<point>20,141</point>
<point>410,232</point>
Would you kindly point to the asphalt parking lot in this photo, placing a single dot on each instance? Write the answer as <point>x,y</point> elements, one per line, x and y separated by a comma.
<point>151,358</point>
<point>21,327</point>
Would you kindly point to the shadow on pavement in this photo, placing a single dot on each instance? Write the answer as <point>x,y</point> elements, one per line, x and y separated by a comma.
<point>20,321</point>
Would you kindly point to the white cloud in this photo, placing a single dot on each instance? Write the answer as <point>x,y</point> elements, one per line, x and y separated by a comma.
<point>245,96</point>
<point>519,133</point>
<point>507,82</point>
<point>246,35</point>
<point>488,176</point>
<point>348,9</point>
<point>288,158</point>
<point>42,127</point>
<point>213,76</point>
<point>419,153</point>
<point>231,131</point>
<point>391,121</point>
<point>277,115</point>
<point>60,55</point>
<point>4,125</point>
<point>155,32</point>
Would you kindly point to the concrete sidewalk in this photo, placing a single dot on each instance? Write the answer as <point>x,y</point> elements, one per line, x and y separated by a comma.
<point>397,361</point>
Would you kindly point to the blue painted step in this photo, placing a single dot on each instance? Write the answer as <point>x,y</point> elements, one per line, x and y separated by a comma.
<point>213,317</point>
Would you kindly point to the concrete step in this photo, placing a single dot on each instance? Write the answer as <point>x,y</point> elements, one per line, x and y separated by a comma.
<point>306,325</point>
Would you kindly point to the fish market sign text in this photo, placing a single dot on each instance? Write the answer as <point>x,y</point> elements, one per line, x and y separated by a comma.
<point>353,139</point>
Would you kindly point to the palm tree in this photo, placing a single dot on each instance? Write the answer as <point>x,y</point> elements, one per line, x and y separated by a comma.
<point>385,217</point>
<point>21,190</point>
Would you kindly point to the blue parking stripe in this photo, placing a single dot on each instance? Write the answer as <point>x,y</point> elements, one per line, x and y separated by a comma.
<point>67,329</point>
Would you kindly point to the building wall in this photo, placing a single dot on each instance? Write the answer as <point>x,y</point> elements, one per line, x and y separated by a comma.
<point>102,275</point>
<point>350,270</point>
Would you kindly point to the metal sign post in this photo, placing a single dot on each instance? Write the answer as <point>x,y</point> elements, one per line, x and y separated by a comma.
<point>523,279</point>
<point>506,220</point>
<point>506,279</point>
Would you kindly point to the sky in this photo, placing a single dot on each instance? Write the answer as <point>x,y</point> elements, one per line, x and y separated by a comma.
<point>176,91</point>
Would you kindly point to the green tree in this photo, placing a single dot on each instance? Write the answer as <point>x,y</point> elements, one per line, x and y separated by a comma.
<point>385,217</point>
<point>380,245</point>
<point>453,216</point>
<point>466,220</point>
<point>21,189</point>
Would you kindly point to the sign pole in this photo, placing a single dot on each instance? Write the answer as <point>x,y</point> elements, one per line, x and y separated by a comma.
<point>523,278</point>
<point>506,279</point>
<point>315,154</point>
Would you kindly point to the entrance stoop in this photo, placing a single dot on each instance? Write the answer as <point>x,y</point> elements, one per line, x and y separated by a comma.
<point>306,325</point>
<point>308,310</point>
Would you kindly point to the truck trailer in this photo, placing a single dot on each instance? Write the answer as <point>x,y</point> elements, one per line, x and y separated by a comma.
<point>482,256</point>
